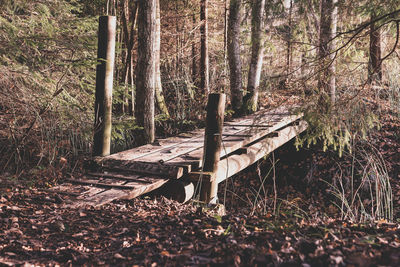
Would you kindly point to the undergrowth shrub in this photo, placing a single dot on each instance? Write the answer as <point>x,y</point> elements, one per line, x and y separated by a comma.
<point>47,58</point>
<point>335,126</point>
<point>362,189</point>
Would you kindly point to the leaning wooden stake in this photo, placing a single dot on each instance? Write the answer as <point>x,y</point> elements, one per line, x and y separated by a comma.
<point>212,144</point>
<point>104,85</point>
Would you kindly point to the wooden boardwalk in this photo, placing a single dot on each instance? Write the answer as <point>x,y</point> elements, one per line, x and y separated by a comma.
<point>136,171</point>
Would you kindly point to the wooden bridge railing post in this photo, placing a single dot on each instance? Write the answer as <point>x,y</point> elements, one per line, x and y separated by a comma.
<point>212,144</point>
<point>104,85</point>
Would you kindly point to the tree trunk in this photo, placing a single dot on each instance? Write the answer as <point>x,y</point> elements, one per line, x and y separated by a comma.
<point>235,65</point>
<point>194,61</point>
<point>145,70</point>
<point>104,86</point>
<point>256,61</point>
<point>204,66</point>
<point>374,64</point>
<point>225,70</point>
<point>129,34</point>
<point>327,78</point>
<point>289,41</point>
<point>125,34</point>
<point>158,86</point>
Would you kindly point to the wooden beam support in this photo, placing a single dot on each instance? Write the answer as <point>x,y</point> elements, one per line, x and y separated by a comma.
<point>104,85</point>
<point>179,190</point>
<point>201,176</point>
<point>245,149</point>
<point>273,134</point>
<point>212,144</point>
<point>236,163</point>
<point>242,150</point>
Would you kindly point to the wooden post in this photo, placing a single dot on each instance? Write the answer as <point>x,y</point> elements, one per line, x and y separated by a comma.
<point>212,144</point>
<point>104,85</point>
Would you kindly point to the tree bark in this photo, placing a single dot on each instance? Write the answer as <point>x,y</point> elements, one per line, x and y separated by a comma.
<point>204,64</point>
<point>235,65</point>
<point>158,86</point>
<point>256,61</point>
<point>289,41</point>
<point>129,35</point>
<point>145,70</point>
<point>327,44</point>
<point>374,64</point>
<point>194,61</point>
<point>104,86</point>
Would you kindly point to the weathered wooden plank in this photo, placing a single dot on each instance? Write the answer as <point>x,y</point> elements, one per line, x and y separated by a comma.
<point>75,189</point>
<point>248,125</point>
<point>98,184</point>
<point>171,148</point>
<point>158,145</point>
<point>182,149</point>
<point>236,135</point>
<point>235,163</point>
<point>113,194</point>
<point>139,167</point>
<point>61,192</point>
<point>119,176</point>
<point>166,146</point>
<point>231,146</point>
<point>98,190</point>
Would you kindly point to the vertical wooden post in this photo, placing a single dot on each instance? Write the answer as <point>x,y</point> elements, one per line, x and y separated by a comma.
<point>212,144</point>
<point>104,85</point>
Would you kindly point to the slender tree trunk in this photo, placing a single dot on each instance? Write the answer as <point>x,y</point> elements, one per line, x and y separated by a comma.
<point>129,35</point>
<point>119,55</point>
<point>125,34</point>
<point>256,61</point>
<point>177,46</point>
<point>327,78</point>
<point>158,86</point>
<point>374,64</point>
<point>104,86</point>
<point>332,81</point>
<point>132,82</point>
<point>204,66</point>
<point>289,41</point>
<point>235,64</point>
<point>226,8</point>
<point>145,70</point>
<point>194,61</point>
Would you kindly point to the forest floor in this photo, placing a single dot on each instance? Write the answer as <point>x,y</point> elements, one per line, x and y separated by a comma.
<point>295,225</point>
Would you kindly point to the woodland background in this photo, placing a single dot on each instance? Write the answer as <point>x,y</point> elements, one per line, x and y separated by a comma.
<point>48,56</point>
